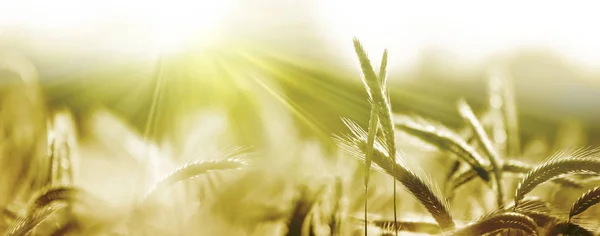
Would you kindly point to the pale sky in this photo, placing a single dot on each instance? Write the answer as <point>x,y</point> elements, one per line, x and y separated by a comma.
<point>469,29</point>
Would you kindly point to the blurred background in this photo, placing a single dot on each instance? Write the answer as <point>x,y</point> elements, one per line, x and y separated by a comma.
<point>152,62</point>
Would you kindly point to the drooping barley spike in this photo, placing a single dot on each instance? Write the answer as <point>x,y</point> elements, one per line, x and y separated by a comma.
<point>66,194</point>
<point>587,200</point>
<point>531,204</point>
<point>445,139</point>
<point>569,228</point>
<point>509,166</point>
<point>574,161</point>
<point>518,167</point>
<point>411,226</point>
<point>420,187</point>
<point>194,169</point>
<point>499,222</point>
<point>538,210</point>
<point>25,224</point>
<point>496,163</point>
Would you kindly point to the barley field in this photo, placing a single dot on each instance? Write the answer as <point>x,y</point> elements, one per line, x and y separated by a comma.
<point>271,130</point>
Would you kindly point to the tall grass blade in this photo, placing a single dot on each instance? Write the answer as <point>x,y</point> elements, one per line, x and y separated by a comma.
<point>373,124</point>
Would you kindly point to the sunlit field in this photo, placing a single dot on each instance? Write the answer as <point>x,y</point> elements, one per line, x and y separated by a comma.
<point>289,117</point>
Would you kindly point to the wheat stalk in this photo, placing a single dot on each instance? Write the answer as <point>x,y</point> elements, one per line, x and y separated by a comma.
<point>335,222</point>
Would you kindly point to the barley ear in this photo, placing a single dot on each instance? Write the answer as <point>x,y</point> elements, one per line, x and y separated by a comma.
<point>377,94</point>
<point>374,119</point>
<point>446,140</point>
<point>23,225</point>
<point>577,161</point>
<point>569,228</point>
<point>411,226</point>
<point>194,169</point>
<point>513,167</point>
<point>419,186</point>
<point>66,194</point>
<point>587,200</point>
<point>496,163</point>
<point>499,222</point>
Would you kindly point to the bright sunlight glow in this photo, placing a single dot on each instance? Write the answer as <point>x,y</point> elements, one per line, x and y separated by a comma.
<point>153,26</point>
